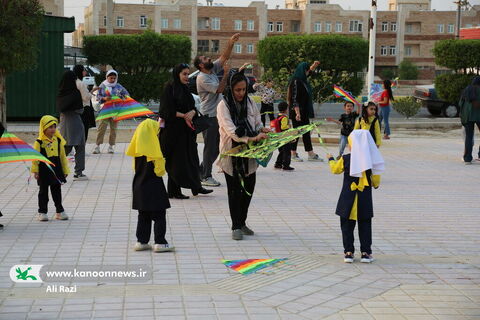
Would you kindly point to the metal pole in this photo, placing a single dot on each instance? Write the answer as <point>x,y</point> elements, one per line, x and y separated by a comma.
<point>459,10</point>
<point>371,53</point>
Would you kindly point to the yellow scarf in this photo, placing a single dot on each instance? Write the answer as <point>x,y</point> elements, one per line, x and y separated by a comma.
<point>145,143</point>
<point>46,122</point>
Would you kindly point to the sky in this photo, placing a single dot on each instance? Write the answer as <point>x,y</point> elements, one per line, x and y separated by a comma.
<point>75,7</point>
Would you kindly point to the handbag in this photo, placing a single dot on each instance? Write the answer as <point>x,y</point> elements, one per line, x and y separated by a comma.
<point>201,122</point>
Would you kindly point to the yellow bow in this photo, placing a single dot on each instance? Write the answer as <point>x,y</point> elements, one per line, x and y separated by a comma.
<point>362,183</point>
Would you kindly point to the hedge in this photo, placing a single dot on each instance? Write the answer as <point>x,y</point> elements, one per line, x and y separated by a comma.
<point>458,55</point>
<point>450,86</point>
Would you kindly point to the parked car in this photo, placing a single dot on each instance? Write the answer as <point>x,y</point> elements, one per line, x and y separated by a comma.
<point>192,82</point>
<point>89,79</point>
<point>427,95</point>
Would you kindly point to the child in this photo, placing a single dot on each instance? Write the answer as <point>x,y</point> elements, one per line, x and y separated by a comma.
<point>361,171</point>
<point>108,88</point>
<point>51,144</point>
<point>2,130</point>
<point>268,98</point>
<point>369,121</point>
<point>347,120</point>
<point>149,195</point>
<point>281,124</point>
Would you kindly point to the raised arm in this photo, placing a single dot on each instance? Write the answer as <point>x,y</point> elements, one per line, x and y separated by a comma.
<point>228,50</point>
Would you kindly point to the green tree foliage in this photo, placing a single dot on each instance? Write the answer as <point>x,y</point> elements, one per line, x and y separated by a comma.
<point>143,61</point>
<point>458,55</point>
<point>20,27</point>
<point>450,86</point>
<point>388,73</point>
<point>407,70</point>
<point>406,106</point>
<point>340,59</point>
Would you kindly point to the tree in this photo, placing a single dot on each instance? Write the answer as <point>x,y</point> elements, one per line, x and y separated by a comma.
<point>143,61</point>
<point>20,27</point>
<point>407,70</point>
<point>340,57</point>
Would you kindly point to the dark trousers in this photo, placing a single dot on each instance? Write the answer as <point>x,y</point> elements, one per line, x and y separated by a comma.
<point>211,139</point>
<point>144,226</point>
<point>238,199</point>
<point>79,157</point>
<point>307,139</point>
<point>284,156</point>
<point>266,107</point>
<point>56,190</point>
<point>364,233</point>
<point>469,130</point>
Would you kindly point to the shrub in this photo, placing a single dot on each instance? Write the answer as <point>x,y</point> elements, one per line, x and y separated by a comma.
<point>458,55</point>
<point>407,70</point>
<point>450,86</point>
<point>406,106</point>
<point>388,73</point>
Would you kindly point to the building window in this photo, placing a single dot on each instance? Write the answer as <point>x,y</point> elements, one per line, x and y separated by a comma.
<point>393,26</point>
<point>202,46</point>
<point>338,27</point>
<point>104,21</point>
<point>238,48</point>
<point>48,13</point>
<point>318,1</point>
<point>440,28</point>
<point>237,25</point>
<point>384,26</point>
<point>328,27</point>
<point>177,23</point>
<point>250,25</point>
<point>383,50</point>
<point>249,48</point>
<point>408,28</point>
<point>215,45</point>
<point>392,51</point>
<point>270,27</point>
<point>451,28</point>
<point>317,27</point>
<point>279,26</point>
<point>408,51</point>
<point>120,22</point>
<point>215,23</point>
<point>143,21</point>
<point>164,23</point>
<point>468,25</point>
<point>295,25</point>
<point>356,26</point>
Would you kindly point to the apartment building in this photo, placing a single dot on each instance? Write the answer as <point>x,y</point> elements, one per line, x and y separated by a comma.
<point>407,30</point>
<point>53,7</point>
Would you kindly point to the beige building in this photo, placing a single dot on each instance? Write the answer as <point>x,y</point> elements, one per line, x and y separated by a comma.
<point>408,30</point>
<point>53,7</point>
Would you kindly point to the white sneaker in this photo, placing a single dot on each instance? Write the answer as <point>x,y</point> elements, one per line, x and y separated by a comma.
<point>142,246</point>
<point>96,150</point>
<point>366,258</point>
<point>42,217</point>
<point>61,216</point>
<point>315,157</point>
<point>163,247</point>
<point>110,149</point>
<point>296,158</point>
<point>210,182</point>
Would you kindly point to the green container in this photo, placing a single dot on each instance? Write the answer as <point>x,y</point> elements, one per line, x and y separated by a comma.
<point>31,94</point>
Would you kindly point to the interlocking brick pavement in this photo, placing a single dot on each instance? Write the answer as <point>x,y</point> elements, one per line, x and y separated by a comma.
<point>425,237</point>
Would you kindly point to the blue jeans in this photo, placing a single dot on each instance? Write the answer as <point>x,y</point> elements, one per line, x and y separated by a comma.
<point>343,144</point>
<point>384,114</point>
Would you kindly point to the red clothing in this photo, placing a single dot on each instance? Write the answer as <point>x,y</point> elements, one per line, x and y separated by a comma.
<point>384,95</point>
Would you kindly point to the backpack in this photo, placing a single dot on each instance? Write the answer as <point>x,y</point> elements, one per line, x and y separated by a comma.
<point>276,124</point>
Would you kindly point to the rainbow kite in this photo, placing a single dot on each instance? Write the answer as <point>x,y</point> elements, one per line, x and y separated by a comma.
<point>122,109</point>
<point>13,149</point>
<point>250,265</point>
<point>376,90</point>
<point>345,95</point>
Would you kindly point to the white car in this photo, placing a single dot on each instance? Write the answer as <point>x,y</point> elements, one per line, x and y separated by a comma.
<point>89,79</point>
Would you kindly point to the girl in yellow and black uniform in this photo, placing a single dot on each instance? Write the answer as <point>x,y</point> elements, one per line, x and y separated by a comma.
<point>369,121</point>
<point>361,168</point>
<point>50,144</point>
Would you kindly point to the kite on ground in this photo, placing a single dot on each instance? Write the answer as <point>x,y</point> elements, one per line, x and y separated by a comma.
<point>250,266</point>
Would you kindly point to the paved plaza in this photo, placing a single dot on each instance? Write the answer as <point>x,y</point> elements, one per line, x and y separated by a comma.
<point>425,241</point>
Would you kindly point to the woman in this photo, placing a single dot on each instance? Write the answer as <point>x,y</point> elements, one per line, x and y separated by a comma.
<point>239,121</point>
<point>110,87</point>
<point>70,105</point>
<point>178,137</point>
<point>470,116</point>
<point>301,107</point>
<point>88,116</point>
<point>385,108</point>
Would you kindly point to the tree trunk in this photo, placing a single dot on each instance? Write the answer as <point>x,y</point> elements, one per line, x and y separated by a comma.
<point>3,98</point>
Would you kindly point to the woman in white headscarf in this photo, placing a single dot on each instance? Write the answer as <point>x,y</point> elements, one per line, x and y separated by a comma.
<point>362,169</point>
<point>110,87</point>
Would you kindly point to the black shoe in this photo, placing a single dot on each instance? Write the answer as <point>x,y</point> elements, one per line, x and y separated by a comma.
<point>278,166</point>
<point>202,191</point>
<point>288,168</point>
<point>1,226</point>
<point>180,196</point>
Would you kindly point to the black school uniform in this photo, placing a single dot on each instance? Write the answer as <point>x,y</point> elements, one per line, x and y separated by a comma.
<point>151,200</point>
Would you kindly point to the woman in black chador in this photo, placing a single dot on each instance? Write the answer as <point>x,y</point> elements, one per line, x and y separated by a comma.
<point>178,137</point>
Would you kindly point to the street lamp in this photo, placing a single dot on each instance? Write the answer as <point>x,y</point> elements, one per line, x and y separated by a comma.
<point>371,51</point>
<point>460,4</point>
